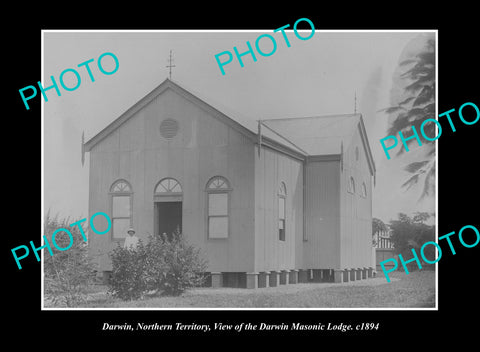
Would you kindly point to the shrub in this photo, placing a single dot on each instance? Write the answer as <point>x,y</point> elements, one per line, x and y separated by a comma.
<point>166,264</point>
<point>128,280</point>
<point>155,266</point>
<point>183,266</point>
<point>411,233</point>
<point>67,274</point>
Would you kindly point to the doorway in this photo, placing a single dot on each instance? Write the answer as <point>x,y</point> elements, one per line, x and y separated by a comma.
<point>168,218</point>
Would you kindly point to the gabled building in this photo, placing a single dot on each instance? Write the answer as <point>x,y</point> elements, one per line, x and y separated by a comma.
<point>271,202</point>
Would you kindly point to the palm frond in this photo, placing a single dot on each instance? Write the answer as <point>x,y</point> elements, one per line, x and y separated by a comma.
<point>399,124</point>
<point>429,109</point>
<point>419,83</point>
<point>408,61</point>
<point>406,101</point>
<point>392,109</point>
<point>426,94</point>
<point>427,57</point>
<point>428,184</point>
<point>412,180</point>
<point>415,166</point>
<point>418,104</point>
<point>419,70</point>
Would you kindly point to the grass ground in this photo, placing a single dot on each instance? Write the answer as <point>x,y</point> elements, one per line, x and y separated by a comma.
<point>415,290</point>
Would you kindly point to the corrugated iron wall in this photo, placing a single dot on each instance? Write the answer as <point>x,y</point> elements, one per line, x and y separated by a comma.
<point>322,215</point>
<point>272,168</point>
<point>355,210</point>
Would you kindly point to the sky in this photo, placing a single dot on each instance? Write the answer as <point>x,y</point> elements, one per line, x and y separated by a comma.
<point>318,76</point>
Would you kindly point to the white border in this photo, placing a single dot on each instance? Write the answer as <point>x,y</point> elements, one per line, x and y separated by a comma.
<point>43,308</point>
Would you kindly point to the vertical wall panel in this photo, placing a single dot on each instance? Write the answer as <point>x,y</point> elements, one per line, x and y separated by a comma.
<point>322,215</point>
<point>271,168</point>
<point>356,225</point>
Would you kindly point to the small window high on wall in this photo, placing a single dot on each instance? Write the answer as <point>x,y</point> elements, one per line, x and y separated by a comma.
<point>351,186</point>
<point>282,195</point>
<point>364,190</point>
<point>121,208</point>
<point>218,198</point>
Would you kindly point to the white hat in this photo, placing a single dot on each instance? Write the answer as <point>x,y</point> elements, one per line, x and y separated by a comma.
<point>130,230</point>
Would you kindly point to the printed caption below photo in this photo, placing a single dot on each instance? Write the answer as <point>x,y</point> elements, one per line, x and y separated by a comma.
<point>364,326</point>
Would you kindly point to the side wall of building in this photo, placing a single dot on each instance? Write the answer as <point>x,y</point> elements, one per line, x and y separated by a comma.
<point>356,208</point>
<point>271,169</point>
<point>322,246</point>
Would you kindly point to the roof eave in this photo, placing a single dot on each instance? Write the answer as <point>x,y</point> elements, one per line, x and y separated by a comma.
<point>363,136</point>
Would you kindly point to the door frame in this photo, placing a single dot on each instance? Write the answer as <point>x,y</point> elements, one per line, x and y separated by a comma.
<point>164,199</point>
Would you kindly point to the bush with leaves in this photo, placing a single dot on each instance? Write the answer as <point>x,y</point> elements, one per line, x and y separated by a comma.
<point>411,233</point>
<point>128,279</point>
<point>182,265</point>
<point>69,273</point>
<point>167,265</point>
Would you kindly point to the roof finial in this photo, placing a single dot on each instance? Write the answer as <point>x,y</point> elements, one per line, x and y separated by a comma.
<point>170,61</point>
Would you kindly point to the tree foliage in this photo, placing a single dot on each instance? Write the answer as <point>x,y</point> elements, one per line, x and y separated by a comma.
<point>68,273</point>
<point>417,106</point>
<point>183,266</point>
<point>411,233</point>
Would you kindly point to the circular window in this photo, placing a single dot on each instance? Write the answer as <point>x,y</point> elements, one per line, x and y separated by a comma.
<point>169,128</point>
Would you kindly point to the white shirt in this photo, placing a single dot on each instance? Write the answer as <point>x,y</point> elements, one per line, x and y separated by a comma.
<point>131,242</point>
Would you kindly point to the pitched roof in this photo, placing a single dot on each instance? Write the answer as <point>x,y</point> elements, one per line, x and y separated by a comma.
<point>305,136</point>
<point>316,135</point>
<point>320,135</point>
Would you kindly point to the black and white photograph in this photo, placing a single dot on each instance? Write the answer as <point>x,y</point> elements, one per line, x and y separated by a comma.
<point>301,174</point>
<point>222,186</point>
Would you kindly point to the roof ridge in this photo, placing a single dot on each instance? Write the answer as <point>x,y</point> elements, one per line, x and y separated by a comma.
<point>313,117</point>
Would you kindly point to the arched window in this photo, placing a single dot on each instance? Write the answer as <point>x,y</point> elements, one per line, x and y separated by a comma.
<point>121,208</point>
<point>218,198</point>
<point>364,190</point>
<point>168,185</point>
<point>282,195</point>
<point>351,185</point>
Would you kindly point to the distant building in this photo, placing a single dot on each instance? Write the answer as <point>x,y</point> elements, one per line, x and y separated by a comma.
<point>384,248</point>
<point>382,239</point>
<point>277,202</point>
